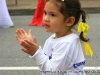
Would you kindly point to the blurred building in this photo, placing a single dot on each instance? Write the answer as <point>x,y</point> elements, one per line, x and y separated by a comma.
<point>85,3</point>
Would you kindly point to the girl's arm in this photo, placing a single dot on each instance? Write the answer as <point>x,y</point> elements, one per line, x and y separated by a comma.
<point>57,61</point>
<point>63,57</point>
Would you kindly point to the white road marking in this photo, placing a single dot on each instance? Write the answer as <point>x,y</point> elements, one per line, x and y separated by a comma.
<point>91,68</point>
<point>36,68</point>
<point>19,68</point>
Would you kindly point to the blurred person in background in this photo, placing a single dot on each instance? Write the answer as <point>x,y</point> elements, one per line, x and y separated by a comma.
<point>5,19</point>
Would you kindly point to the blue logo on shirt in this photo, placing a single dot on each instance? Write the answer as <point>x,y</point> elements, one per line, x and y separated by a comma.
<point>79,64</point>
<point>52,49</point>
<point>50,57</point>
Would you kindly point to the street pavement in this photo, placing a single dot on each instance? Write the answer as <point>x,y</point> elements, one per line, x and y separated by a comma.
<point>12,56</point>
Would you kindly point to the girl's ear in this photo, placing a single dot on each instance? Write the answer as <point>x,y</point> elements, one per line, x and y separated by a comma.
<point>70,21</point>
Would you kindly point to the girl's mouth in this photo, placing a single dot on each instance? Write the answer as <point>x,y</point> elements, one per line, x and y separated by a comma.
<point>46,25</point>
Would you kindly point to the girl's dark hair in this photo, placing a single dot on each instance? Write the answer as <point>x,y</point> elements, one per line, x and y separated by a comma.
<point>72,8</point>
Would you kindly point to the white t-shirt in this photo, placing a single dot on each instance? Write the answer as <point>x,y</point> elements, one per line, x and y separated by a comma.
<point>61,56</point>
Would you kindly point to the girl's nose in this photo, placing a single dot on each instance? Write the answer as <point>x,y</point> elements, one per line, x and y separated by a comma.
<point>46,18</point>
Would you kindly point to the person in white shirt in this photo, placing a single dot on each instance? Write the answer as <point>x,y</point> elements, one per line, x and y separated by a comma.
<point>62,53</point>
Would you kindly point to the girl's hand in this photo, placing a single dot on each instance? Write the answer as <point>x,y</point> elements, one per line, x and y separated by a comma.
<point>29,47</point>
<point>29,44</point>
<point>22,35</point>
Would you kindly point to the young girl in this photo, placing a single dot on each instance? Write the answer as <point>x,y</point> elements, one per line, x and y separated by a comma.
<point>62,52</point>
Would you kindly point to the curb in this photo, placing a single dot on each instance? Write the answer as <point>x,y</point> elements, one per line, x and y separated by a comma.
<point>21,12</point>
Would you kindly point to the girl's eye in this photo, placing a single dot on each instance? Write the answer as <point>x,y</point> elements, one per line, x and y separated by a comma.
<point>45,13</point>
<point>53,15</point>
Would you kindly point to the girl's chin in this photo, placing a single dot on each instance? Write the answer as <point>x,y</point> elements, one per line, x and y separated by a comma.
<point>48,31</point>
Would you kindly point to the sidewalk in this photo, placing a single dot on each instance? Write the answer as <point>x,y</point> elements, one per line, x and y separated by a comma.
<point>24,8</point>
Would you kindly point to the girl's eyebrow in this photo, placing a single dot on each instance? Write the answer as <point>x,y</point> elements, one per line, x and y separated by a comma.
<point>51,12</point>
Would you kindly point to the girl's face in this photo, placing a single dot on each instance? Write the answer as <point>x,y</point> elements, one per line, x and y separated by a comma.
<point>53,19</point>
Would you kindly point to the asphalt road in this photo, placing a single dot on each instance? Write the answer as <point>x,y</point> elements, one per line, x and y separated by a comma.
<point>12,56</point>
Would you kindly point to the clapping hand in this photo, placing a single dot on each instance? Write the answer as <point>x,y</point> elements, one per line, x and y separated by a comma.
<point>28,42</point>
